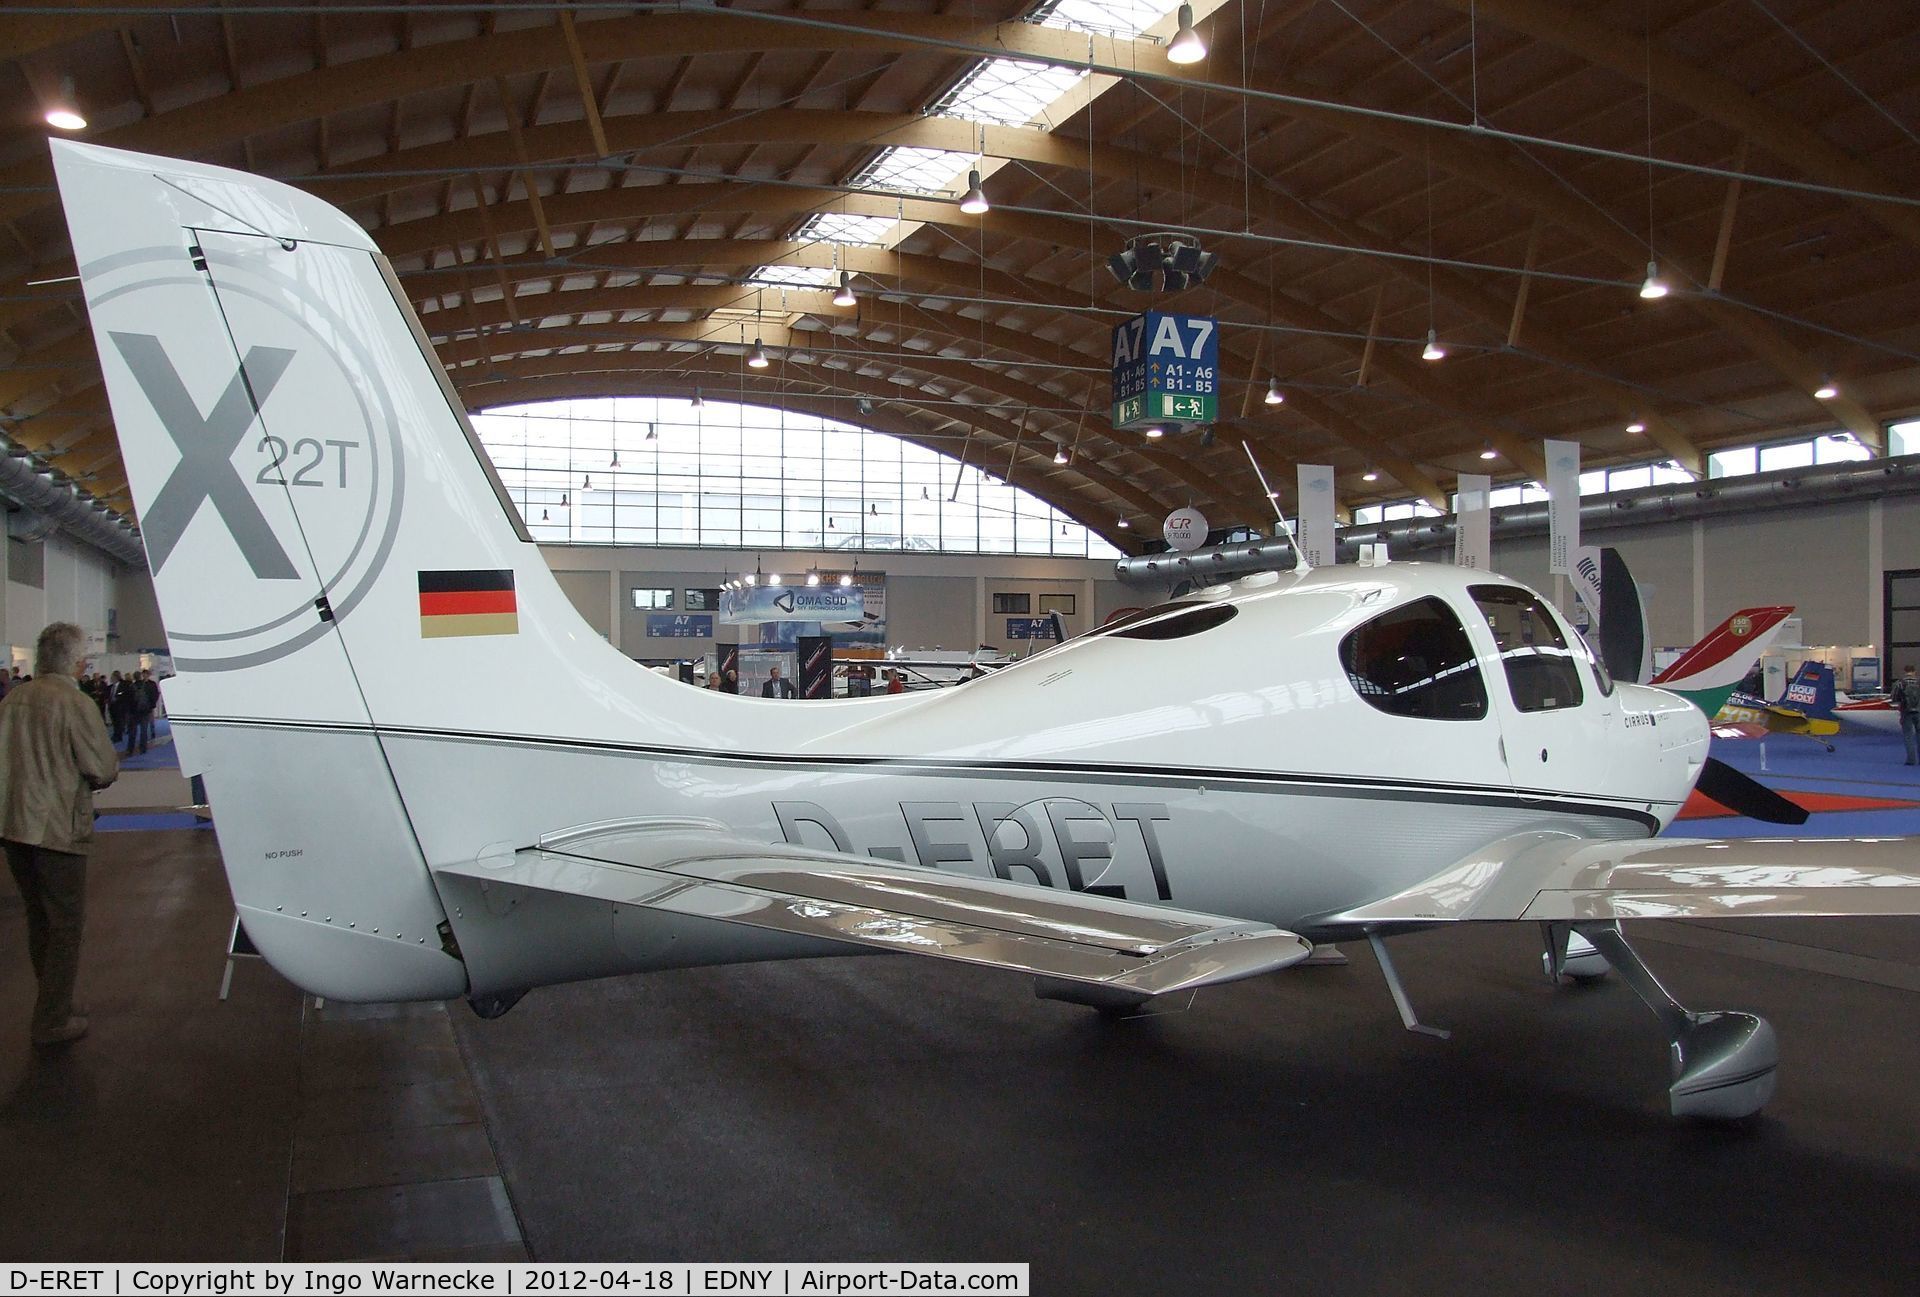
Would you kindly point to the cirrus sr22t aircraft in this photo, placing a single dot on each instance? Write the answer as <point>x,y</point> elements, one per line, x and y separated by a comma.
<point>432,779</point>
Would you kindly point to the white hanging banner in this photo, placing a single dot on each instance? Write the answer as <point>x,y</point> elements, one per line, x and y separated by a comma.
<point>1563,504</point>
<point>1316,514</point>
<point>1473,524</point>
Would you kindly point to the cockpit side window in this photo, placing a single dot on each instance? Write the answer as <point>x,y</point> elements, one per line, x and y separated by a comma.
<point>1541,674</point>
<point>1601,676</point>
<point>1416,661</point>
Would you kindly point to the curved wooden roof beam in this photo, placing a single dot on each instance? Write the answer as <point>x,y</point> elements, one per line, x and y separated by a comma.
<point>547,144</point>
<point>1373,448</point>
<point>994,431</point>
<point>465,226</point>
<point>382,78</point>
<point>1015,392</point>
<point>1706,92</point>
<point>1492,169</point>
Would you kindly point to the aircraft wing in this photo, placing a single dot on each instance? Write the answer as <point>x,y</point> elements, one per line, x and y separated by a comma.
<point>1550,876</point>
<point>698,869</point>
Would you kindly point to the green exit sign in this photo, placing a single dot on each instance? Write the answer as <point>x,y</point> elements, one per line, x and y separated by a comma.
<point>1166,409</point>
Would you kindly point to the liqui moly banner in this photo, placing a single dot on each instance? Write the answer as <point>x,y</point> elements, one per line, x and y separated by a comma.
<point>1316,514</point>
<point>1563,504</point>
<point>1473,523</point>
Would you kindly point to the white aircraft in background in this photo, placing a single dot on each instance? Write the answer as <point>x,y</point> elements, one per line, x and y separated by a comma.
<point>432,779</point>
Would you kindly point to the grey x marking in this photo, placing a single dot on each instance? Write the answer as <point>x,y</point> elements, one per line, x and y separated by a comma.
<point>206,444</point>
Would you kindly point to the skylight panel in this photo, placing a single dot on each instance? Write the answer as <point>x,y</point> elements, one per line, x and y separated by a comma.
<point>1107,17</point>
<point>793,276</point>
<point>839,227</point>
<point>1007,92</point>
<point>925,171</point>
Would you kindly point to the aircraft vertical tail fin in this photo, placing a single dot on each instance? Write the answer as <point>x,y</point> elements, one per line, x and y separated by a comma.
<point>332,555</point>
<point>1812,690</point>
<point>1709,672</point>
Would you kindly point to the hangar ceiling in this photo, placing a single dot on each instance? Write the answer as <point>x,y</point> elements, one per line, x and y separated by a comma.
<point>592,199</point>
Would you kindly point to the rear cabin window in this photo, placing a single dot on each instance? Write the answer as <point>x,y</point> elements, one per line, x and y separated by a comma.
<point>1175,620</point>
<point>1416,661</point>
<point>1541,673</point>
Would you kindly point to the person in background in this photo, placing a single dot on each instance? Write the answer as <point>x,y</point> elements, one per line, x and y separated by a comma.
<point>713,681</point>
<point>54,752</point>
<point>896,683</point>
<point>117,705</point>
<point>146,700</point>
<point>775,687</point>
<point>1906,697</point>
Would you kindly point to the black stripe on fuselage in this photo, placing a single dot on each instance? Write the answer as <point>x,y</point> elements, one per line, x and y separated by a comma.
<point>1279,782</point>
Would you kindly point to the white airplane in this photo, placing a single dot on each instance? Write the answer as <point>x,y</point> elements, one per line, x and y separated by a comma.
<point>431,779</point>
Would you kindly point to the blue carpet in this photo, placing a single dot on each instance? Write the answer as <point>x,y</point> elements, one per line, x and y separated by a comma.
<point>145,823</point>
<point>1862,764</point>
<point>159,754</point>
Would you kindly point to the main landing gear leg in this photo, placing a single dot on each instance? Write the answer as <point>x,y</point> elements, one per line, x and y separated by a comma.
<point>1723,1062</point>
<point>1570,955</point>
<point>1400,1001</point>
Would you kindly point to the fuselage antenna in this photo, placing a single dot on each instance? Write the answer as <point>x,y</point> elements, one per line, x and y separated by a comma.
<point>1300,563</point>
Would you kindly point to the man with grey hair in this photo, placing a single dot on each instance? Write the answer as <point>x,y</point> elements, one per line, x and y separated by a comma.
<point>54,751</point>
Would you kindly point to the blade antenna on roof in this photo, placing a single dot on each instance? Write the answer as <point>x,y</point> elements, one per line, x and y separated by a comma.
<point>1286,528</point>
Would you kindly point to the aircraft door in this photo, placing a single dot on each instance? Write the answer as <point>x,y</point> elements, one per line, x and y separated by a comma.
<point>1556,713</point>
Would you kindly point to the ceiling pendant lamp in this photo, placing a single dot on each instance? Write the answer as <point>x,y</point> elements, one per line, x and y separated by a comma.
<point>1636,427</point>
<point>699,401</point>
<point>1124,524</point>
<point>1653,287</point>
<point>813,576</point>
<point>1371,475</point>
<point>1274,395</point>
<point>1433,349</point>
<point>974,203</point>
<point>757,358</point>
<point>845,297</point>
<point>1186,45</point>
<point>64,113</point>
<point>846,578</point>
<point>1489,453</point>
<point>1827,391</point>
<point>1060,456</point>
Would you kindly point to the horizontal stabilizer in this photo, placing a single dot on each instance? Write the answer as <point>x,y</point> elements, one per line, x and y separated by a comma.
<point>697,869</point>
<point>1550,876</point>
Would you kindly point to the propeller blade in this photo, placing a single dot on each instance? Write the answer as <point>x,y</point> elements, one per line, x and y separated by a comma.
<point>1744,795</point>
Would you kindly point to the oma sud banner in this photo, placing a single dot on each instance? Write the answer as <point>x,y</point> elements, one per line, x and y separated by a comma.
<point>760,603</point>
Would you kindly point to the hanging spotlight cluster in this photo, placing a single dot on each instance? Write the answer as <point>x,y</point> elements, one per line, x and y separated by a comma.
<point>1177,258</point>
<point>814,578</point>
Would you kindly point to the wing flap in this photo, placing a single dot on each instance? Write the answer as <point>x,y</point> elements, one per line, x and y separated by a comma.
<point>1554,877</point>
<point>697,869</point>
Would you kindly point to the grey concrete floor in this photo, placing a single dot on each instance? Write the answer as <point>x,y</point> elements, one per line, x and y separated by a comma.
<point>1280,1135</point>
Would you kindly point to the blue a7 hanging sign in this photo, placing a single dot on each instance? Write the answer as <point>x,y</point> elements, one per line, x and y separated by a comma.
<point>1166,371</point>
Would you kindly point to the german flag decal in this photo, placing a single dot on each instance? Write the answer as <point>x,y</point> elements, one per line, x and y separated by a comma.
<point>467,603</point>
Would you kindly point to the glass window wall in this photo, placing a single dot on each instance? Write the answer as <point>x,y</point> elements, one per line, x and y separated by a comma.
<point>658,471</point>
